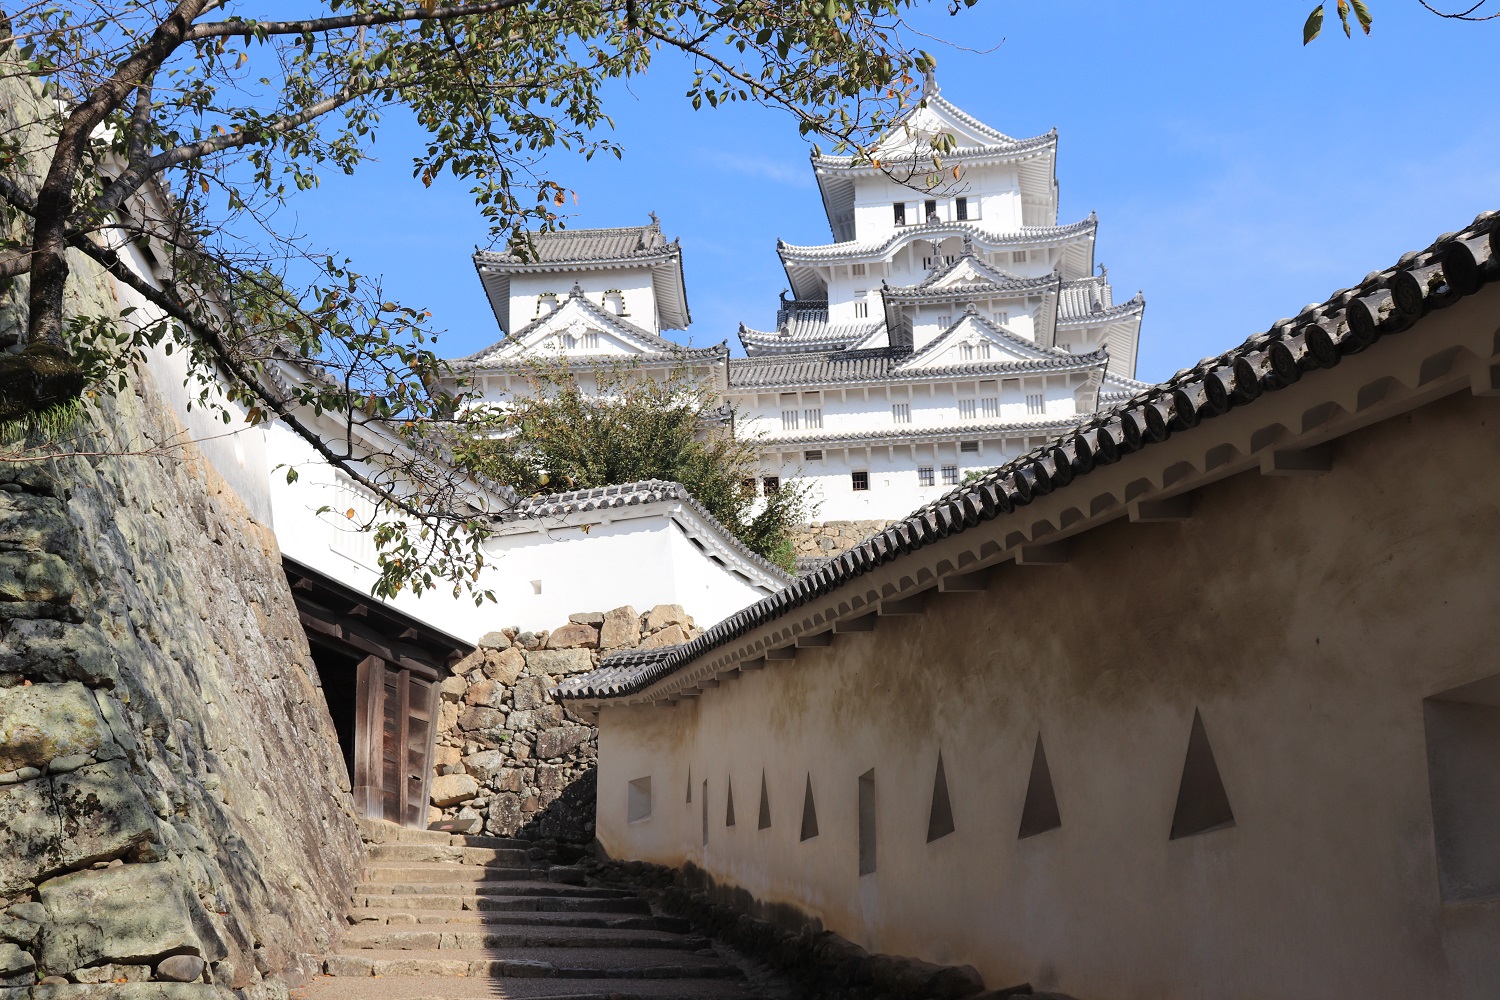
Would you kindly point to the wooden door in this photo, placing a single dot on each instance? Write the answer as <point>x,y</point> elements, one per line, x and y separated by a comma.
<point>393,740</point>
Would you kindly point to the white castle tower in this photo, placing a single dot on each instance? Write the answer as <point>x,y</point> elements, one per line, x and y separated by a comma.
<point>948,327</point>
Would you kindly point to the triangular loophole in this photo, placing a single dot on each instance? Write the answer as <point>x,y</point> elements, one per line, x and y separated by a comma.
<point>729,807</point>
<point>764,822</point>
<point>940,816</point>
<point>1202,802</point>
<point>809,813</point>
<point>1040,813</point>
<point>690,785</point>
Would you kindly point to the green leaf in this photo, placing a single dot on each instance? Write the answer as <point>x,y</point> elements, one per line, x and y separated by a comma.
<point>1313,25</point>
<point>1362,12</point>
<point>1344,16</point>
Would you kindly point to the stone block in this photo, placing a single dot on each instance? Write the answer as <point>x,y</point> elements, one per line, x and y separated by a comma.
<point>486,693</point>
<point>453,688</point>
<point>43,721</point>
<point>104,814</point>
<point>126,913</point>
<point>494,640</point>
<point>37,524</point>
<point>574,636</point>
<point>14,960</point>
<point>446,756</point>
<point>621,629</point>
<point>531,692</point>
<point>451,789</point>
<point>348,965</point>
<point>30,834</point>
<point>45,650</point>
<point>552,778</point>
<point>556,742</point>
<point>448,713</point>
<point>519,722</point>
<point>559,661</point>
<point>672,635</point>
<point>594,618</point>
<point>35,576</point>
<point>21,922</point>
<point>509,779</point>
<point>473,661</point>
<point>484,765</point>
<point>664,615</point>
<point>505,815</point>
<point>476,718</point>
<point>504,667</point>
<point>180,969</point>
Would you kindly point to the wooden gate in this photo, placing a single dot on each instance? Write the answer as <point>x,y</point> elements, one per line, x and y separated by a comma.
<point>393,742</point>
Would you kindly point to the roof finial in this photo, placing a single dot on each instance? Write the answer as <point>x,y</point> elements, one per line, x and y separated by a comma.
<point>929,83</point>
<point>1103,272</point>
<point>654,220</point>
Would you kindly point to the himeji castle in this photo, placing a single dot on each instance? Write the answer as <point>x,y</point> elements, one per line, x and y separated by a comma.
<point>942,331</point>
<point>947,328</point>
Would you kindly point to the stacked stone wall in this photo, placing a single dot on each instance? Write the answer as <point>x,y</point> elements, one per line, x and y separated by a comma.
<point>175,817</point>
<point>826,539</point>
<point>512,762</point>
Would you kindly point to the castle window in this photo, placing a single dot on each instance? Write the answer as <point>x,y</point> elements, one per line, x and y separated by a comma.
<point>950,475</point>
<point>771,485</point>
<point>961,209</point>
<point>591,340</point>
<point>989,407</point>
<point>861,304</point>
<point>789,420</point>
<point>968,447</point>
<point>859,481</point>
<point>967,409</point>
<point>813,455</point>
<point>901,413</point>
<point>1002,317</point>
<point>1018,256</point>
<point>929,210</point>
<point>1067,346</point>
<point>857,270</point>
<point>900,212</point>
<point>813,417</point>
<point>925,477</point>
<point>945,320</point>
<point>966,352</point>
<point>1034,404</point>
<point>747,489</point>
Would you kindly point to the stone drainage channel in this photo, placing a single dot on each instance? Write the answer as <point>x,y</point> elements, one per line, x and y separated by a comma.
<point>451,916</point>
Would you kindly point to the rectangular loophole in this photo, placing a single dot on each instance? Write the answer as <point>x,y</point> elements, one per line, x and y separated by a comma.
<point>638,800</point>
<point>1463,767</point>
<point>867,822</point>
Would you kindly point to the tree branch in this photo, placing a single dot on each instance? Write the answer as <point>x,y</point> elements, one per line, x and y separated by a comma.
<point>226,29</point>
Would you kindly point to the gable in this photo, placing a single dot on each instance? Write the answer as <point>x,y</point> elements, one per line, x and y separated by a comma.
<point>938,117</point>
<point>577,329</point>
<point>969,271</point>
<point>975,340</point>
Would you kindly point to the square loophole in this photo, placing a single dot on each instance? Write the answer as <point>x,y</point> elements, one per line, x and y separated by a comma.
<point>638,800</point>
<point>1463,770</point>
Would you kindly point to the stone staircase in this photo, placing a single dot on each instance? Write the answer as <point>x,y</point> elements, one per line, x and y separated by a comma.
<point>500,918</point>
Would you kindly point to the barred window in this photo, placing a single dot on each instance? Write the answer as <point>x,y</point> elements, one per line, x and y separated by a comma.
<point>901,413</point>
<point>950,475</point>
<point>1034,404</point>
<point>966,409</point>
<point>925,477</point>
<point>771,485</point>
<point>789,420</point>
<point>989,407</point>
<point>813,455</point>
<point>968,447</point>
<point>859,480</point>
<point>813,417</point>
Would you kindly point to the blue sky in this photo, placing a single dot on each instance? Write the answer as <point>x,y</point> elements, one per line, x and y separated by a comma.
<point>1237,175</point>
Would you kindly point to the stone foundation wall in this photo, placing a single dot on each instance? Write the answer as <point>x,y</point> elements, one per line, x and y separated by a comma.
<point>826,539</point>
<point>511,762</point>
<point>173,803</point>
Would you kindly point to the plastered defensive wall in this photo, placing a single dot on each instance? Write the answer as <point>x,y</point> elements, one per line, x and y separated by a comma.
<point>1328,636</point>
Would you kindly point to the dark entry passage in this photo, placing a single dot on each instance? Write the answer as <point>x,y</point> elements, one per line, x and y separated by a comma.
<point>380,670</point>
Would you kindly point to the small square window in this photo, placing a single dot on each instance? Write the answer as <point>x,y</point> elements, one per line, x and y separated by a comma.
<point>925,476</point>
<point>789,420</point>
<point>771,485</point>
<point>989,407</point>
<point>967,409</point>
<point>950,475</point>
<point>1034,404</point>
<point>813,417</point>
<point>968,447</point>
<point>747,487</point>
<point>901,413</point>
<point>1018,256</point>
<point>860,481</point>
<point>857,270</point>
<point>813,455</point>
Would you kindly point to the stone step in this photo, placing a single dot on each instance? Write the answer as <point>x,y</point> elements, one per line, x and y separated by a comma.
<point>496,902</point>
<point>527,887</point>
<point>457,918</point>
<point>403,987</point>
<point>429,937</point>
<point>437,871</point>
<point>493,856</point>
<point>533,963</point>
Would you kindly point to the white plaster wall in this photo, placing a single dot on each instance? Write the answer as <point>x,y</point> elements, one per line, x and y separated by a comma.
<point>634,283</point>
<point>640,561</point>
<point>1306,619</point>
<point>313,541</point>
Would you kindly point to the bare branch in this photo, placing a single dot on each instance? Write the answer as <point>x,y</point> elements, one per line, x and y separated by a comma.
<point>226,29</point>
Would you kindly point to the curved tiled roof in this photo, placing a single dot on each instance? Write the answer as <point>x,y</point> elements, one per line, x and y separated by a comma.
<point>1129,308</point>
<point>1025,236</point>
<point>633,495</point>
<point>907,431</point>
<point>1385,302</point>
<point>877,364</point>
<point>578,246</point>
<point>1002,148</point>
<point>932,293</point>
